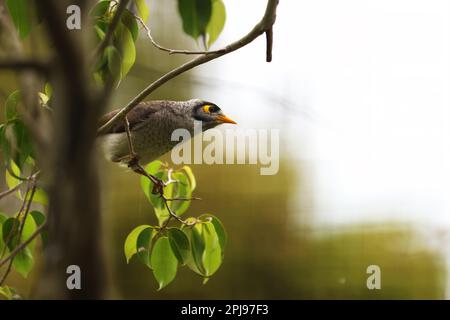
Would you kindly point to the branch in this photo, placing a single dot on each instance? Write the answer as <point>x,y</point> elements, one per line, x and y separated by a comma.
<point>17,186</point>
<point>171,51</point>
<point>24,65</point>
<point>9,191</point>
<point>261,27</point>
<point>111,28</point>
<point>269,44</point>
<point>10,235</point>
<point>158,185</point>
<point>25,205</point>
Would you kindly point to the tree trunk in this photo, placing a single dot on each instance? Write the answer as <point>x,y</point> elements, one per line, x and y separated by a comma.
<point>74,220</point>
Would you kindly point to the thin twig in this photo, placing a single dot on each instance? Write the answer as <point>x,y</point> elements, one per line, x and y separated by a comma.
<point>171,51</point>
<point>12,231</point>
<point>27,210</point>
<point>9,191</point>
<point>172,214</point>
<point>164,226</point>
<point>32,185</point>
<point>261,27</point>
<point>17,186</point>
<point>269,44</point>
<point>183,199</point>
<point>158,184</point>
<point>133,163</point>
<point>25,65</point>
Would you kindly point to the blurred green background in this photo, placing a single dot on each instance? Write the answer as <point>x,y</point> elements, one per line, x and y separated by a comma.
<point>296,234</point>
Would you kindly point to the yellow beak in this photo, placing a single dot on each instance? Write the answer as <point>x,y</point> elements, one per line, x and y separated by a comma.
<point>225,119</point>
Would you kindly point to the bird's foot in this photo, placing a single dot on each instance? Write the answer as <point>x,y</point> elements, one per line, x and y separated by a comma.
<point>158,184</point>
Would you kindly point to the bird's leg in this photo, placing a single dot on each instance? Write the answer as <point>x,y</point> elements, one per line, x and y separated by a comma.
<point>133,163</point>
<point>133,156</point>
<point>158,184</point>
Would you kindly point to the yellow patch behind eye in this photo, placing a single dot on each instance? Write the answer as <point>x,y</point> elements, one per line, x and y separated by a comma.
<point>206,108</point>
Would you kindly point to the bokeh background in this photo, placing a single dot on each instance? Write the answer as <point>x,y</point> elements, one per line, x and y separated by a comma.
<point>360,91</point>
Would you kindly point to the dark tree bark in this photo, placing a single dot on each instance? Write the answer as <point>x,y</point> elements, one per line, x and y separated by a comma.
<point>74,221</point>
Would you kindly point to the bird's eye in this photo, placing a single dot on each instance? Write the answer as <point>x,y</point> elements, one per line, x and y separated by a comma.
<point>210,109</point>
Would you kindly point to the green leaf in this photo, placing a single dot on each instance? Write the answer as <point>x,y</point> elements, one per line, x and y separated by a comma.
<point>20,14</point>
<point>11,180</point>
<point>217,21</point>
<point>212,255</point>
<point>29,228</point>
<point>130,22</point>
<point>102,25</point>
<point>142,9</point>
<point>152,168</point>
<point>198,247</point>
<point>9,229</point>
<point>195,15</point>
<point>221,233</point>
<point>155,199</point>
<point>164,262</point>
<point>3,218</point>
<point>11,105</point>
<point>191,177</point>
<point>130,247</point>
<point>100,8</point>
<point>179,243</point>
<point>125,42</point>
<point>24,144</point>
<point>23,262</point>
<point>40,196</point>
<point>190,261</point>
<point>39,219</point>
<point>16,142</point>
<point>9,293</point>
<point>181,189</point>
<point>48,90</point>
<point>114,62</point>
<point>4,143</point>
<point>99,32</point>
<point>157,169</point>
<point>143,245</point>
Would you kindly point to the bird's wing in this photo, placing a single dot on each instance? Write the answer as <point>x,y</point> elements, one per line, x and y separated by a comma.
<point>138,115</point>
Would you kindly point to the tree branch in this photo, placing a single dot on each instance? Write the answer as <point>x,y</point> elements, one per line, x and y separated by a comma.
<point>17,186</point>
<point>70,163</point>
<point>25,205</point>
<point>269,44</point>
<point>25,65</point>
<point>9,191</point>
<point>261,27</point>
<point>171,51</point>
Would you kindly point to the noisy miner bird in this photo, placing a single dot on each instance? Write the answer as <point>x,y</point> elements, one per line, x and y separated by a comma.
<point>151,125</point>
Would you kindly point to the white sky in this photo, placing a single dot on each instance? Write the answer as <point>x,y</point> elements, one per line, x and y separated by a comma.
<point>373,78</point>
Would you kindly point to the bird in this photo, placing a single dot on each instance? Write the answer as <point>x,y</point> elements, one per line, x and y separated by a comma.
<point>151,124</point>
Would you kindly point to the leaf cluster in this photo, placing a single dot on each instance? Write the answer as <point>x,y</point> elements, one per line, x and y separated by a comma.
<point>199,243</point>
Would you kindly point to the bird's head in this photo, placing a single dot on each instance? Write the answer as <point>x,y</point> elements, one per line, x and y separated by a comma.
<point>209,114</point>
